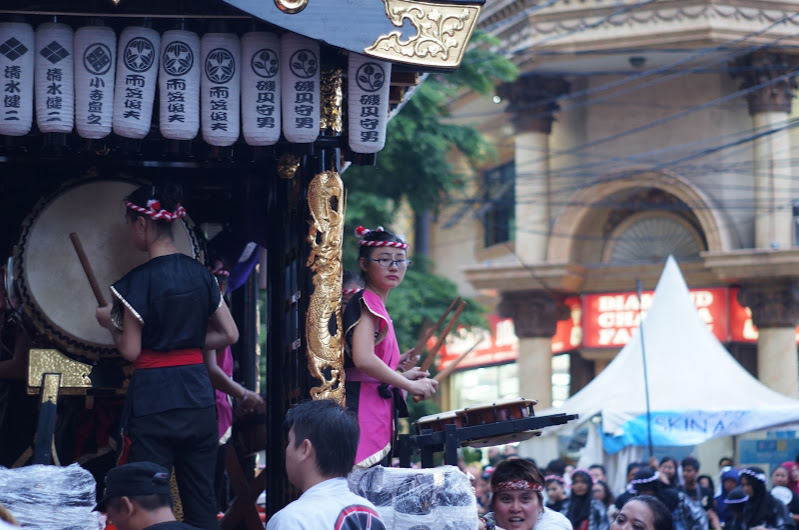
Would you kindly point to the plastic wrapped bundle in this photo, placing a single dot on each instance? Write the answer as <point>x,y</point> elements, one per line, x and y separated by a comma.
<point>51,497</point>
<point>441,498</point>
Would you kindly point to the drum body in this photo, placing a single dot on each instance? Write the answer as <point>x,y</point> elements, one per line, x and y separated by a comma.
<point>438,422</point>
<point>53,287</point>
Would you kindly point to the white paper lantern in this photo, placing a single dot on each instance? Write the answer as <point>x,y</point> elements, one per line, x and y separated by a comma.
<point>299,76</point>
<point>179,85</point>
<point>137,71</point>
<point>17,43</point>
<point>260,88</point>
<point>54,78</point>
<point>368,83</point>
<point>220,88</point>
<point>95,49</point>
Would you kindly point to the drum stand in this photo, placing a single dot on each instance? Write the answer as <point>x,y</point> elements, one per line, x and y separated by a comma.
<point>51,373</point>
<point>452,437</point>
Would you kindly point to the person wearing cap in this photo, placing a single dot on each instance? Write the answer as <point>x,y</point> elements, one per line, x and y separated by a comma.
<point>729,481</point>
<point>320,453</point>
<point>138,497</point>
<point>734,504</point>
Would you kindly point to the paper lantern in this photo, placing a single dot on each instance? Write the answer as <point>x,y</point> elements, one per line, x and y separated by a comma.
<point>95,49</point>
<point>137,71</point>
<point>17,43</point>
<point>220,88</point>
<point>260,88</point>
<point>179,85</point>
<point>299,76</point>
<point>368,83</point>
<point>54,78</point>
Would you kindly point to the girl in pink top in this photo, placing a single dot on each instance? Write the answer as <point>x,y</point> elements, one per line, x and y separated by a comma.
<point>373,355</point>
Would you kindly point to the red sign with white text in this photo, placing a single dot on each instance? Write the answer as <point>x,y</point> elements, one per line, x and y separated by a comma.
<point>498,346</point>
<point>610,319</point>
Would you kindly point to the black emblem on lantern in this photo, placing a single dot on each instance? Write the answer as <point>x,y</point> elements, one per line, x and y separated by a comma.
<point>178,58</point>
<point>139,54</point>
<point>265,63</point>
<point>97,58</point>
<point>303,64</point>
<point>220,66</point>
<point>370,77</point>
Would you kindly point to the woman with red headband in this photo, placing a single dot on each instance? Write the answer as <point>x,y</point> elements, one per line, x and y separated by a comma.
<point>164,313</point>
<point>373,383</point>
<point>517,501</point>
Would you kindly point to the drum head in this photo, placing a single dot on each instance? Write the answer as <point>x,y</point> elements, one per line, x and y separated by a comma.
<point>53,287</point>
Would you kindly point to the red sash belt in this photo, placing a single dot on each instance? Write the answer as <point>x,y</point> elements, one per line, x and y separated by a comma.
<point>161,359</point>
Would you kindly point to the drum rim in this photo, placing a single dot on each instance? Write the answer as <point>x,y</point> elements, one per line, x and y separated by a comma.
<point>32,308</point>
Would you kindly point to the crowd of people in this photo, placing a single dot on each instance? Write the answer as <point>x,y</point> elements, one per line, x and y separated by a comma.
<point>745,500</point>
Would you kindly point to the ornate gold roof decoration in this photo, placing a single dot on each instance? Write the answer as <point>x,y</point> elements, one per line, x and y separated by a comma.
<point>442,33</point>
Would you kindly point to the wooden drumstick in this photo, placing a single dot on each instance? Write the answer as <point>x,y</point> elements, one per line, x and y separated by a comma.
<point>87,268</point>
<point>440,342</point>
<point>426,334</point>
<point>443,374</point>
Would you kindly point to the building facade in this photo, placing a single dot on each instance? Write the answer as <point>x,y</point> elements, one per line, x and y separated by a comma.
<point>637,130</point>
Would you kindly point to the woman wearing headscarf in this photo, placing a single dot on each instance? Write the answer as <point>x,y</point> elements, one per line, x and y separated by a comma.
<point>781,489</point>
<point>793,475</point>
<point>581,508</point>
<point>762,511</point>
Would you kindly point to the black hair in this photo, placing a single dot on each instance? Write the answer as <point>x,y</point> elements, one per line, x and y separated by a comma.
<point>518,469</point>
<point>723,459</point>
<point>376,235</point>
<point>556,467</point>
<point>709,479</point>
<point>633,465</point>
<point>661,516</point>
<point>580,505</point>
<point>147,502</point>
<point>598,466</point>
<point>170,195</point>
<point>607,498</point>
<point>674,481</point>
<point>332,430</point>
<point>690,461</point>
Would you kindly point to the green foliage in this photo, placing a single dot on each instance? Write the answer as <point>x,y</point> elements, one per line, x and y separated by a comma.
<point>415,164</point>
<point>425,296</point>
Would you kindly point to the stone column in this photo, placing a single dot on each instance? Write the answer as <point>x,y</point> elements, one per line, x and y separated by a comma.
<point>535,317</point>
<point>771,91</point>
<point>775,311</point>
<point>533,102</point>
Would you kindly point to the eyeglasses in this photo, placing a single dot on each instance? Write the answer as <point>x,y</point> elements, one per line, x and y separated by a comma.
<point>386,262</point>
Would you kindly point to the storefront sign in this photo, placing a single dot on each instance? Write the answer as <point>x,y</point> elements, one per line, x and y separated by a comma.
<point>610,319</point>
<point>499,346</point>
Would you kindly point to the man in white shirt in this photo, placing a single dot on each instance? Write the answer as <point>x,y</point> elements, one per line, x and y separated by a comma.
<point>322,441</point>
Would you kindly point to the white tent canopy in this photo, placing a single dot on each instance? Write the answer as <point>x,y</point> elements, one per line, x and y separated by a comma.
<point>697,390</point>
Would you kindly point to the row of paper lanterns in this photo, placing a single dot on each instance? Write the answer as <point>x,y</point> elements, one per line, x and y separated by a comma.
<point>258,85</point>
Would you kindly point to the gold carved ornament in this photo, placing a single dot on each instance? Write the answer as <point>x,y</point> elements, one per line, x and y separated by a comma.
<point>442,33</point>
<point>325,349</point>
<point>332,95</point>
<point>287,166</point>
<point>291,6</point>
<point>74,375</point>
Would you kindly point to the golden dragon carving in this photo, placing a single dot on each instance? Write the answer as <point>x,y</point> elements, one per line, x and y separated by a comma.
<point>325,349</point>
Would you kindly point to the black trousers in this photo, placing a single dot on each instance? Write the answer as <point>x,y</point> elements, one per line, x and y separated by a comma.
<point>186,439</point>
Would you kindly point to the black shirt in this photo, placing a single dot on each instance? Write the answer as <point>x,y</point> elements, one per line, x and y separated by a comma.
<point>173,297</point>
